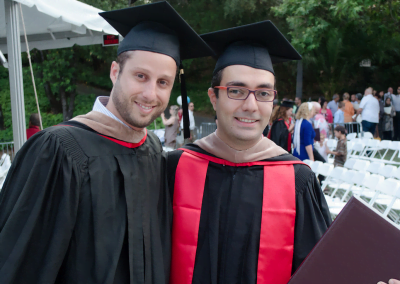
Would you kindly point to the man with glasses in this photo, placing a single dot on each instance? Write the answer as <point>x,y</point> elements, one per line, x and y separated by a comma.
<point>245,210</point>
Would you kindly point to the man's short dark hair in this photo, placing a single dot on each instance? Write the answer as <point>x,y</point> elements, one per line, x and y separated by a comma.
<point>122,58</point>
<point>216,81</point>
<point>34,119</point>
<point>341,104</point>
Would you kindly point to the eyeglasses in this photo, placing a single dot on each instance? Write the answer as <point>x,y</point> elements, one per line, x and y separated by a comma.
<point>241,93</point>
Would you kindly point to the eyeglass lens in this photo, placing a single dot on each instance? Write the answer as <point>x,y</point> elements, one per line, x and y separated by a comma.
<point>262,95</point>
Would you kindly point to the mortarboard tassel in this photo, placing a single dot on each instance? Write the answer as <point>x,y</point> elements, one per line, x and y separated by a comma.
<point>185,110</point>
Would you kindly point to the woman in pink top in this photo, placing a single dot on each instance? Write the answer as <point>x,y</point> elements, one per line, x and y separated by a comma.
<point>325,111</point>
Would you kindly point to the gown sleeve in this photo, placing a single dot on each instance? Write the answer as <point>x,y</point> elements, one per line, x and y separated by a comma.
<point>312,214</point>
<point>38,202</point>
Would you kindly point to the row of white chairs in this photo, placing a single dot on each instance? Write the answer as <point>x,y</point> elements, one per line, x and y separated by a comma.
<point>365,180</point>
<point>370,149</point>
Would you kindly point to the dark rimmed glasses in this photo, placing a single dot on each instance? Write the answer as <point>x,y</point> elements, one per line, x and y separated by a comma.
<point>241,93</point>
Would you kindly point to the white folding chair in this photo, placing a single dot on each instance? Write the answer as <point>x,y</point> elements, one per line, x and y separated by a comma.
<point>336,204</point>
<point>315,166</point>
<point>391,187</point>
<point>308,162</point>
<point>5,166</point>
<point>388,171</point>
<point>397,173</point>
<point>361,165</point>
<point>386,196</point>
<point>349,164</point>
<point>369,187</point>
<point>331,144</point>
<point>357,181</point>
<point>334,178</point>
<point>375,167</point>
<point>368,135</point>
<point>3,157</point>
<point>351,136</point>
<point>384,147</point>
<point>325,169</point>
<point>357,150</point>
<point>350,145</point>
<point>371,146</point>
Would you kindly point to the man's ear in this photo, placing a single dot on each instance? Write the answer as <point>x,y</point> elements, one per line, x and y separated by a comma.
<point>114,72</point>
<point>213,98</point>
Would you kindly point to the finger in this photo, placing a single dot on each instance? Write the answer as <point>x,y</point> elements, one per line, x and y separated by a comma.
<point>380,282</point>
<point>394,281</point>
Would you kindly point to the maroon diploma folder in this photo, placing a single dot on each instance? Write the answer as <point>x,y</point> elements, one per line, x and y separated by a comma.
<point>360,247</point>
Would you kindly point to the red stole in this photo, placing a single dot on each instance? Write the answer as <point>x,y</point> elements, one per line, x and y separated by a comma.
<point>277,223</point>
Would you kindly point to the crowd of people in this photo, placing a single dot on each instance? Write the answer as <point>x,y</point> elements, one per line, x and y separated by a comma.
<point>305,127</point>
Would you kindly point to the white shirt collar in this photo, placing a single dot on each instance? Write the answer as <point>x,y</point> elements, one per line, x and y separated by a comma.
<point>100,106</point>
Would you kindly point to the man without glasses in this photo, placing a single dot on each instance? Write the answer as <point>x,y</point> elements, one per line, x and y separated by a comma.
<point>84,202</point>
<point>245,211</point>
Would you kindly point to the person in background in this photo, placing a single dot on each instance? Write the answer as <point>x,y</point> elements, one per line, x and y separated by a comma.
<point>34,125</point>
<point>304,133</point>
<point>319,124</point>
<point>396,120</point>
<point>369,110</point>
<point>354,99</point>
<point>327,113</point>
<point>389,93</point>
<point>171,127</point>
<point>282,126</point>
<point>341,149</point>
<point>387,120</point>
<point>359,98</point>
<point>339,115</point>
<point>322,146</point>
<point>192,124</point>
<point>297,103</point>
<point>333,105</point>
<point>348,108</point>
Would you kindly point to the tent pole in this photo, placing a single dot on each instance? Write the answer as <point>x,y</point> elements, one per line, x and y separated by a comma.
<point>15,72</point>
<point>299,83</point>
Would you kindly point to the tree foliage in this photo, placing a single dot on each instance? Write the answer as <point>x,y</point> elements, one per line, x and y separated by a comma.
<point>334,36</point>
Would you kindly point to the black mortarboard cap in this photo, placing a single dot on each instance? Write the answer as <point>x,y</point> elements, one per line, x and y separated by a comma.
<point>157,27</point>
<point>288,104</point>
<point>257,45</point>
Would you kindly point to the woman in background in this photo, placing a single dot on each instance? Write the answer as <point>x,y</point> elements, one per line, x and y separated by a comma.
<point>327,113</point>
<point>282,127</point>
<point>171,127</point>
<point>304,133</point>
<point>387,123</point>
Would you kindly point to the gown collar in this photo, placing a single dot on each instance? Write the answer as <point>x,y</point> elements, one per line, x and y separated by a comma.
<point>110,127</point>
<point>264,149</point>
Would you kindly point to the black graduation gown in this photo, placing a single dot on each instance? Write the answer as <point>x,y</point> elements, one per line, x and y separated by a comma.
<point>280,134</point>
<point>230,220</point>
<point>79,208</point>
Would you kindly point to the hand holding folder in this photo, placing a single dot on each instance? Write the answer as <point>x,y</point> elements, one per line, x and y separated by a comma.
<point>359,247</point>
<point>391,281</point>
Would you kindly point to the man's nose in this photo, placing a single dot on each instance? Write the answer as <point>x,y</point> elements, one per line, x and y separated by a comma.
<point>250,104</point>
<point>149,92</point>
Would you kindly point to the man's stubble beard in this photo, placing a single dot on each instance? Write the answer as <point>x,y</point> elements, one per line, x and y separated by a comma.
<point>122,105</point>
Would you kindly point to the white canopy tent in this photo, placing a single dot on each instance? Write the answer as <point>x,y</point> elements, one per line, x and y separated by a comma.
<point>49,24</point>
